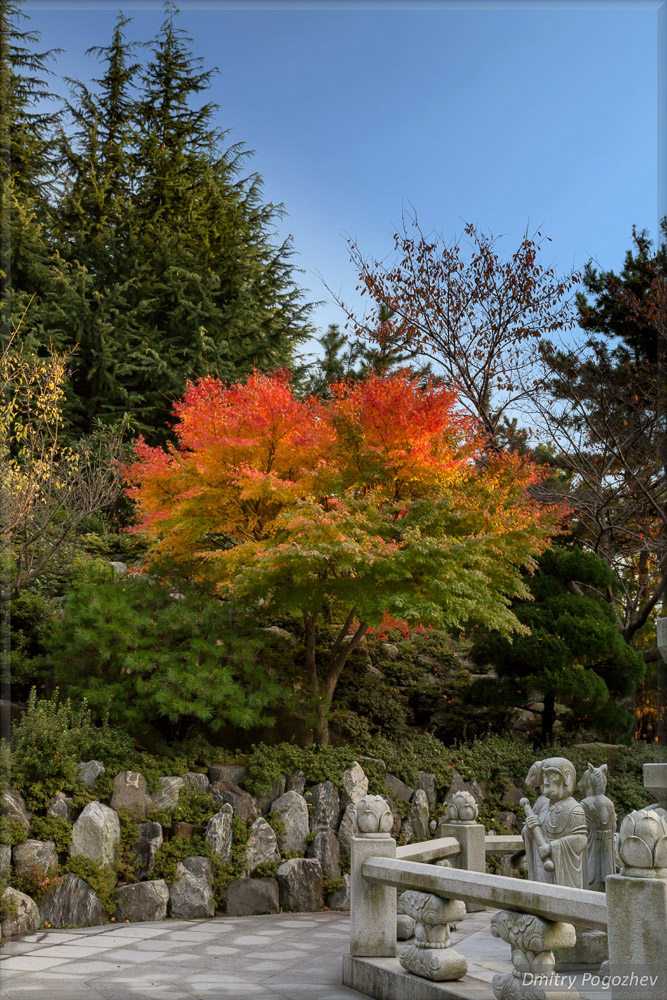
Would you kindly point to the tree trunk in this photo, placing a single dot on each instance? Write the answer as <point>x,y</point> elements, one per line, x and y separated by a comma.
<point>548,718</point>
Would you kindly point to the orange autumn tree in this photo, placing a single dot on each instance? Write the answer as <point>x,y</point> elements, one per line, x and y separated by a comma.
<point>382,501</point>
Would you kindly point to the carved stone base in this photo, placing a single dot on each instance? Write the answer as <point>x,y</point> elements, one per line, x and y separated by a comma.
<point>591,950</point>
<point>438,964</point>
<point>405,927</point>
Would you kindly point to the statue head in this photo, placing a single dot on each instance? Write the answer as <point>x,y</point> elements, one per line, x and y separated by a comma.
<point>558,778</point>
<point>594,780</point>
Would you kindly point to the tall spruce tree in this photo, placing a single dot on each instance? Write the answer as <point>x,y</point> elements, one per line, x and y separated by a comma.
<point>171,265</point>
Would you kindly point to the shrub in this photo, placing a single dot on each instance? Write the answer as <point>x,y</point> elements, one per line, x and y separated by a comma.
<point>55,828</point>
<point>99,877</point>
<point>194,806</point>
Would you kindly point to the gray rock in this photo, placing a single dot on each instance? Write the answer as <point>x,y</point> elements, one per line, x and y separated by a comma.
<point>407,834</point>
<point>419,815</point>
<point>89,771</point>
<point>324,847</point>
<point>166,796</point>
<point>397,788</point>
<point>339,899</point>
<point>130,791</point>
<point>292,811</point>
<point>197,781</point>
<point>191,895</point>
<point>391,650</point>
<point>459,785</point>
<point>300,884</point>
<point>227,772</point>
<point>250,897</point>
<point>355,785</point>
<point>96,834</point>
<point>262,846</point>
<point>60,806</point>
<point>377,761</point>
<point>241,802</point>
<point>282,633</point>
<point>5,857</point>
<point>118,567</point>
<point>219,833</point>
<point>296,782</point>
<point>35,855</point>
<point>199,866</point>
<point>265,799</point>
<point>72,904</point>
<point>149,843</point>
<point>348,828</point>
<point>426,781</point>
<point>326,806</point>
<point>396,828</point>
<point>142,901</point>
<point>24,915</point>
<point>13,807</point>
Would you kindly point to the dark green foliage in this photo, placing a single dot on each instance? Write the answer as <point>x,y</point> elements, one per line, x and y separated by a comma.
<point>12,832</point>
<point>100,878</point>
<point>32,619</point>
<point>194,806</point>
<point>574,654</point>
<point>55,828</point>
<point>141,652</point>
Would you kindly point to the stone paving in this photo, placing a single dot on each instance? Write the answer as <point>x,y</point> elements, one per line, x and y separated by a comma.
<point>284,956</point>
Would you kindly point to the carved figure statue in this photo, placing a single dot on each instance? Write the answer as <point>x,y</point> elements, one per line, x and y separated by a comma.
<point>601,821</point>
<point>555,832</point>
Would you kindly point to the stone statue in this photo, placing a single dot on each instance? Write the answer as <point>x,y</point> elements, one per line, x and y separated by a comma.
<point>555,832</point>
<point>601,820</point>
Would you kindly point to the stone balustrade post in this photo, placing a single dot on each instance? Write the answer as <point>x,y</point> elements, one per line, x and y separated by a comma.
<point>372,906</point>
<point>637,909</point>
<point>461,823</point>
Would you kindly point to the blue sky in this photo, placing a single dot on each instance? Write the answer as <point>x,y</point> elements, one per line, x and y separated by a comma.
<point>539,118</point>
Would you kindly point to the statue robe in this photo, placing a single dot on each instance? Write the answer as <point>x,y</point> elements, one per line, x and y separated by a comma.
<point>601,821</point>
<point>564,827</point>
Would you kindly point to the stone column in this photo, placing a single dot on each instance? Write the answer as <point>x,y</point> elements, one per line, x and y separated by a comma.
<point>461,823</point>
<point>372,906</point>
<point>637,909</point>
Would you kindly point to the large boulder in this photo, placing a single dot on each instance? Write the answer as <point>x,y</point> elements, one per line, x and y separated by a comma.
<point>72,904</point>
<point>35,856</point>
<point>419,815</point>
<point>348,828</point>
<point>326,806</point>
<point>130,791</point>
<point>296,782</point>
<point>142,901</point>
<point>145,849</point>
<point>89,771</point>
<point>262,845</point>
<point>219,833</point>
<point>355,785</point>
<point>426,780</point>
<point>264,799</point>
<point>250,897</point>
<point>191,895</point>
<point>5,857</point>
<point>227,772</point>
<point>96,834</point>
<point>197,781</point>
<point>396,788</point>
<point>242,803</point>
<point>324,847</point>
<point>396,828</point>
<point>60,806</point>
<point>339,899</point>
<point>300,884</point>
<point>13,807</point>
<point>23,913</point>
<point>165,797</point>
<point>291,810</point>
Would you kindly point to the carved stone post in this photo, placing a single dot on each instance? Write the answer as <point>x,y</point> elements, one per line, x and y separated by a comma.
<point>637,908</point>
<point>532,941</point>
<point>429,955</point>
<point>372,906</point>
<point>461,823</point>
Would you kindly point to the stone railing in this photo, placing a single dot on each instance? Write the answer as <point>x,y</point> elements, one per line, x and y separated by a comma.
<point>534,918</point>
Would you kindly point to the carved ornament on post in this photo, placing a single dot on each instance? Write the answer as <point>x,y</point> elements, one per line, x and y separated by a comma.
<point>643,844</point>
<point>462,808</point>
<point>374,817</point>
